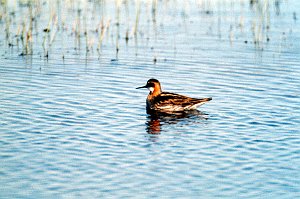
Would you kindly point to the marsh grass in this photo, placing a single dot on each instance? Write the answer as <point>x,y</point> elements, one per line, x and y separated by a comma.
<point>35,25</point>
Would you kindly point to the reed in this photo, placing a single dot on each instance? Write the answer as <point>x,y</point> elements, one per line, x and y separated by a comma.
<point>54,31</point>
<point>47,37</point>
<point>7,26</point>
<point>104,26</point>
<point>78,29</point>
<point>137,17</point>
<point>26,36</point>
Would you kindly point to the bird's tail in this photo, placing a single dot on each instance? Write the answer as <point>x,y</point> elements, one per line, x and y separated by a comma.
<point>198,102</point>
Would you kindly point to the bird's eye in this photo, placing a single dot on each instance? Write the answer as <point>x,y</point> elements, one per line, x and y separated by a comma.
<point>151,84</point>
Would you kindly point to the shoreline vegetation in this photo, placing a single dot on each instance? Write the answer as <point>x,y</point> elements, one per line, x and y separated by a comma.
<point>39,26</point>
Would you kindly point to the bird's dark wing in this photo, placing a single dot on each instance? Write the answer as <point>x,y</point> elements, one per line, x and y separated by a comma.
<point>177,102</point>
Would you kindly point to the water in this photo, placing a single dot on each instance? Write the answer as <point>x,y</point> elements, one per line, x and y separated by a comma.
<point>76,127</point>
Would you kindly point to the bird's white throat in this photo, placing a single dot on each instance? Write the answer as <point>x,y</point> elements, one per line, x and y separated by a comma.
<point>151,89</point>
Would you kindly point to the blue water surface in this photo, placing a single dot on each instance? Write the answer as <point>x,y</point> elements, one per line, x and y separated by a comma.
<point>76,127</point>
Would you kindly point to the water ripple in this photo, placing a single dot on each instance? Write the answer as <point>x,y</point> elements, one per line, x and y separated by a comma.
<point>78,128</point>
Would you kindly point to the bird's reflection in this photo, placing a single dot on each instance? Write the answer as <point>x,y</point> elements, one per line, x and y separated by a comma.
<point>156,120</point>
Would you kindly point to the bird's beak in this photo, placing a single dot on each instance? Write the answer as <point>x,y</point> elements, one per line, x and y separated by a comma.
<point>141,87</point>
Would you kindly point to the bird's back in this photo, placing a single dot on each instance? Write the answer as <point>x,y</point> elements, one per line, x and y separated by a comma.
<point>171,102</point>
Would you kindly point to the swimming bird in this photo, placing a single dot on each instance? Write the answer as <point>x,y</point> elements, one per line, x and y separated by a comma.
<point>167,102</point>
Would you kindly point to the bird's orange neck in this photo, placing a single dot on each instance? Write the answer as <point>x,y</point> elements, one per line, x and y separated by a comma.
<point>155,92</point>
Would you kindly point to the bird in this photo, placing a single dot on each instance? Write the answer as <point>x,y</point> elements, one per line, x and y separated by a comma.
<point>166,102</point>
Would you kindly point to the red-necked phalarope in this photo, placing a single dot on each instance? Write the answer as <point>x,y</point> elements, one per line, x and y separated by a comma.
<point>169,102</point>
